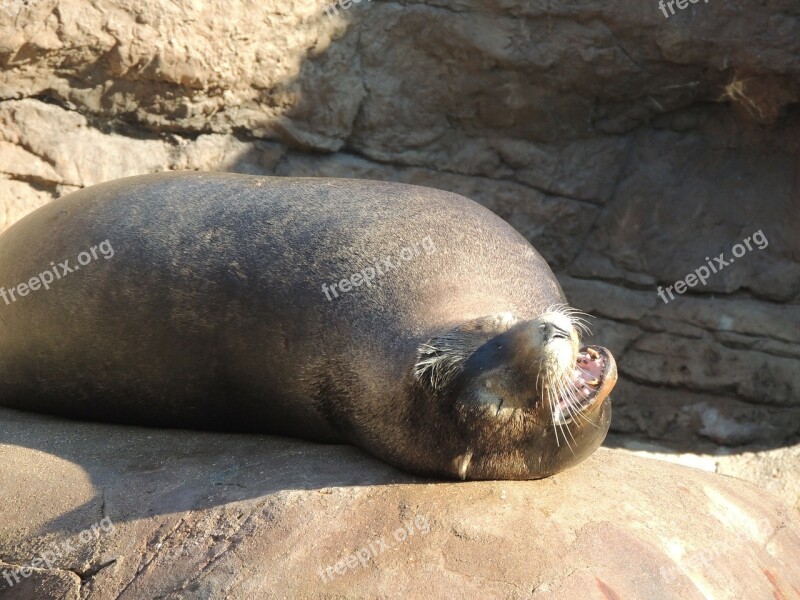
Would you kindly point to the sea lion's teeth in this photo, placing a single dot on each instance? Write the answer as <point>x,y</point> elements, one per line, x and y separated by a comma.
<point>594,382</point>
<point>593,353</point>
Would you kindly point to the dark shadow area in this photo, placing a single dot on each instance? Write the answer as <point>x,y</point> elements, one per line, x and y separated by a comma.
<point>143,472</point>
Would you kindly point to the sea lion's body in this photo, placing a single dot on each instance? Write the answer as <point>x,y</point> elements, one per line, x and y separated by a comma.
<point>211,312</point>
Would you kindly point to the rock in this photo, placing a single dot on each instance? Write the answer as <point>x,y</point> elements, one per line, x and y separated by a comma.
<point>709,377</point>
<point>771,469</point>
<point>668,415</point>
<point>74,152</point>
<point>671,360</point>
<point>19,198</point>
<point>647,241</point>
<point>140,513</point>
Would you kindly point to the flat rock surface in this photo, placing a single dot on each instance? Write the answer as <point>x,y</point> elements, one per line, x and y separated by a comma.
<point>123,512</point>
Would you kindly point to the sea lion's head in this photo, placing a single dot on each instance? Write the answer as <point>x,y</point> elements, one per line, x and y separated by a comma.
<point>526,398</point>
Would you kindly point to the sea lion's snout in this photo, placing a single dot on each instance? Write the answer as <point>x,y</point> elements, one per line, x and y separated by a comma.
<point>572,379</point>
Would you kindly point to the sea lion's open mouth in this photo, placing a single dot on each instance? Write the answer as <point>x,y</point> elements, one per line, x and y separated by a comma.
<point>591,380</point>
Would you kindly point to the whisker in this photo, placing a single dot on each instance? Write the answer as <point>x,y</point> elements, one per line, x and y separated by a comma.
<point>552,412</point>
<point>582,413</point>
<point>563,393</point>
<point>552,385</point>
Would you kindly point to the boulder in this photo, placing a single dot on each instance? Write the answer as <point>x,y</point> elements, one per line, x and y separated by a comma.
<point>98,511</point>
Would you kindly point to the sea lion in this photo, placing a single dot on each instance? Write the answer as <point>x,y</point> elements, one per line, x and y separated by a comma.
<point>409,321</point>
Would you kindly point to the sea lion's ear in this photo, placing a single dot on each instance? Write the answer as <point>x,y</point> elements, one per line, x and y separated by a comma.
<point>441,359</point>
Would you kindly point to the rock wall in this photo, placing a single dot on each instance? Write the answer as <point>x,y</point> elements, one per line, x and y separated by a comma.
<point>626,146</point>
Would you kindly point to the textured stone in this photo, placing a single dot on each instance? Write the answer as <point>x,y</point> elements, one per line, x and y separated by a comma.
<point>673,361</point>
<point>216,516</point>
<point>671,415</point>
<point>722,379</point>
<point>697,180</point>
<point>771,469</point>
<point>19,198</point>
